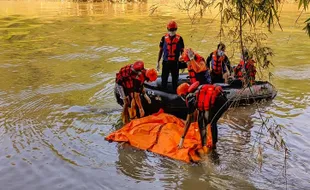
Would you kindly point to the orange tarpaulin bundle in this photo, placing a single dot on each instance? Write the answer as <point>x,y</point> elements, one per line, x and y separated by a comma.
<point>160,133</point>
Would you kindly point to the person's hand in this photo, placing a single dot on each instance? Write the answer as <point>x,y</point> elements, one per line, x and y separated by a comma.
<point>181,58</point>
<point>181,143</point>
<point>191,54</point>
<point>158,67</point>
<point>148,99</point>
<point>125,101</point>
<point>141,111</point>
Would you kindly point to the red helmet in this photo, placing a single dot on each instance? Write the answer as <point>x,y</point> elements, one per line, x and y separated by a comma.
<point>183,89</point>
<point>138,65</point>
<point>151,74</point>
<point>172,25</point>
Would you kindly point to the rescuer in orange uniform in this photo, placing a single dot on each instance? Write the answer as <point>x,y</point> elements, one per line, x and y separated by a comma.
<point>129,83</point>
<point>171,46</point>
<point>219,65</point>
<point>211,103</point>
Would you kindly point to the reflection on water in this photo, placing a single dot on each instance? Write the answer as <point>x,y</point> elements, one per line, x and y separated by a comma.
<point>57,67</point>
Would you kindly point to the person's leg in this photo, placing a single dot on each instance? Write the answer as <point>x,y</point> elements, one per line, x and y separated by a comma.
<point>219,108</point>
<point>202,128</point>
<point>214,134</point>
<point>174,74</point>
<point>164,75</point>
<point>125,113</point>
<point>209,137</point>
<point>133,109</point>
<point>202,131</point>
<point>225,77</point>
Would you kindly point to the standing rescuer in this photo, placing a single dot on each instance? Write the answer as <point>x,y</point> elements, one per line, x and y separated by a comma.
<point>129,83</point>
<point>171,46</point>
<point>219,65</point>
<point>211,104</point>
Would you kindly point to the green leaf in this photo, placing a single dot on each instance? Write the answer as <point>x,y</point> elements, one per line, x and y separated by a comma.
<point>300,3</point>
<point>307,27</point>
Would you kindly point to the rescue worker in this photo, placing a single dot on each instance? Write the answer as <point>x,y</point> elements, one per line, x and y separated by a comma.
<point>170,48</point>
<point>147,75</point>
<point>246,70</point>
<point>126,84</point>
<point>196,67</point>
<point>219,65</point>
<point>211,103</point>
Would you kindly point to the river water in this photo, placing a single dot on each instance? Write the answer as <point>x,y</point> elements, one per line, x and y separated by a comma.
<point>57,66</point>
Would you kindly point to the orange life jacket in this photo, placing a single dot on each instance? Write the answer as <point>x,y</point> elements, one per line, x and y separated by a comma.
<point>172,46</point>
<point>249,68</point>
<point>217,63</point>
<point>206,96</point>
<point>125,77</point>
<point>191,71</point>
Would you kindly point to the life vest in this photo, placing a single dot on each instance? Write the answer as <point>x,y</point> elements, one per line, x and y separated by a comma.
<point>172,46</point>
<point>217,63</point>
<point>191,72</point>
<point>125,77</point>
<point>249,68</point>
<point>206,96</point>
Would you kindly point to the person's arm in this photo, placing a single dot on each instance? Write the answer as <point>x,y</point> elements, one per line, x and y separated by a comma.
<point>198,67</point>
<point>147,98</point>
<point>227,64</point>
<point>189,120</point>
<point>181,41</point>
<point>138,101</point>
<point>160,53</point>
<point>208,61</point>
<point>190,104</point>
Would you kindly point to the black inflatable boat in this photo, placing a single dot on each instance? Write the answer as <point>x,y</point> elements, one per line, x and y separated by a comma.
<point>172,103</point>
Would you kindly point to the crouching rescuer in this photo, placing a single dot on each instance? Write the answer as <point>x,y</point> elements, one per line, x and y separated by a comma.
<point>129,83</point>
<point>211,103</point>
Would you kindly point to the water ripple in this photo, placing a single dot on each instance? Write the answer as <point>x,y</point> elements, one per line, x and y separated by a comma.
<point>119,59</point>
<point>76,56</point>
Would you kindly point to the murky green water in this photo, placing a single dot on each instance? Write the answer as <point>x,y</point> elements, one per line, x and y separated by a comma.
<point>57,66</point>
